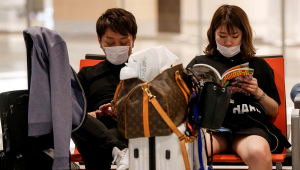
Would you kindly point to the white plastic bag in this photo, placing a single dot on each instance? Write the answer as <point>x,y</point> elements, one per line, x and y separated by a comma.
<point>148,63</point>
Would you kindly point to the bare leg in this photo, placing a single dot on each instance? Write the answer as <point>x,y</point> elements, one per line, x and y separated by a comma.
<point>254,151</point>
<point>220,143</point>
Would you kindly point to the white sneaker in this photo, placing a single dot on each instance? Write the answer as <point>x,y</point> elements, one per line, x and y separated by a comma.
<point>120,158</point>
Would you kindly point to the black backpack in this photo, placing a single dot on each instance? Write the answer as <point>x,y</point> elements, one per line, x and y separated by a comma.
<point>21,152</point>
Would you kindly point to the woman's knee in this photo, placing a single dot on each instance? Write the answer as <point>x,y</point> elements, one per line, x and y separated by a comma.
<point>258,153</point>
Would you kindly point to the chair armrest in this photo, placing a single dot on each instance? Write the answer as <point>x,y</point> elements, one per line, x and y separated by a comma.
<point>297,101</point>
<point>295,138</point>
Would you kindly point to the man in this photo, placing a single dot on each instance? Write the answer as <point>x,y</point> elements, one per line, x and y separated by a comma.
<point>98,139</point>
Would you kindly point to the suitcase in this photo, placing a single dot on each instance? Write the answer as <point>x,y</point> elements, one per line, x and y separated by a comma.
<point>21,152</point>
<point>7,163</point>
<point>13,113</point>
<point>158,153</point>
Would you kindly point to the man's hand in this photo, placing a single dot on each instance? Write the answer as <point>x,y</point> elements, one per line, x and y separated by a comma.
<point>93,114</point>
<point>107,111</point>
<point>104,110</point>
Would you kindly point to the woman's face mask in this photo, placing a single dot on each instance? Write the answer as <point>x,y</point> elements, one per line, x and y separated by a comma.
<point>117,54</point>
<point>228,51</point>
<point>228,43</point>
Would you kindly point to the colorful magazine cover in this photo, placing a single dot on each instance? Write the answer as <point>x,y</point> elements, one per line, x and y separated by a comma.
<point>230,78</point>
<point>233,78</point>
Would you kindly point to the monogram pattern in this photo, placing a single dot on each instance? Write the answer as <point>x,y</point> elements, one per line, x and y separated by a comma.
<point>129,105</point>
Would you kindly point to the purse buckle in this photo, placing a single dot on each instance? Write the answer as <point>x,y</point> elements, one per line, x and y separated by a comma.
<point>150,95</point>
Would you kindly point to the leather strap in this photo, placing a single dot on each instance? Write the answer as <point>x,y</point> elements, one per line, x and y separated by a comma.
<point>117,91</point>
<point>185,90</point>
<point>146,112</point>
<point>183,139</point>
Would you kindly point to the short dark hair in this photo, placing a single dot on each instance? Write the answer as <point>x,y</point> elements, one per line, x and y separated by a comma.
<point>231,16</point>
<point>118,20</point>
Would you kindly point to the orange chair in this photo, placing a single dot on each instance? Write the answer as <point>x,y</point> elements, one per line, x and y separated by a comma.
<point>277,64</point>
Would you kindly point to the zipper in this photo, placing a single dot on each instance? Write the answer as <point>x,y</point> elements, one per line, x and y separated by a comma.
<point>5,131</point>
<point>268,131</point>
<point>5,114</point>
<point>11,109</point>
<point>2,154</point>
<point>5,134</point>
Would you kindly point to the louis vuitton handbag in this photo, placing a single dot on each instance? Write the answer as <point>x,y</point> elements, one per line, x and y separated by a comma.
<point>154,108</point>
<point>134,104</point>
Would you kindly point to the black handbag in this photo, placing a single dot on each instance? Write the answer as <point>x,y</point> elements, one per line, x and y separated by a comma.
<point>212,101</point>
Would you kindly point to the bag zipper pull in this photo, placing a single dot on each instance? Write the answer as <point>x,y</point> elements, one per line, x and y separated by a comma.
<point>11,109</point>
<point>2,154</point>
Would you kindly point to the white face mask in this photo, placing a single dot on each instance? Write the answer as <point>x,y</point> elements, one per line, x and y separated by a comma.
<point>228,51</point>
<point>117,55</point>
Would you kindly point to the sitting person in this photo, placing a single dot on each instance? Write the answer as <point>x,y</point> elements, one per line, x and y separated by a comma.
<point>98,139</point>
<point>230,44</point>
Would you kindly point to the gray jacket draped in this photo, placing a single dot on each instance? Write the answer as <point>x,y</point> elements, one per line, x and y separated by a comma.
<point>56,99</point>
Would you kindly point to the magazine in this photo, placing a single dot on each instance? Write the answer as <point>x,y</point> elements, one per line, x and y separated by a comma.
<point>230,78</point>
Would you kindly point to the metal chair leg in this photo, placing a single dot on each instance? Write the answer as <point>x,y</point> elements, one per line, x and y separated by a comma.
<point>278,166</point>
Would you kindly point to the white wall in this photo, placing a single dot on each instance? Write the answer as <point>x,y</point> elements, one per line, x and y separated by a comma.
<point>146,13</point>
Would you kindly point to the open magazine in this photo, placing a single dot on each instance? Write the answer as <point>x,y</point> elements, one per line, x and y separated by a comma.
<point>230,78</point>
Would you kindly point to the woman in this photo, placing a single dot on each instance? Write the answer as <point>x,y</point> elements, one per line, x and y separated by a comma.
<point>230,44</point>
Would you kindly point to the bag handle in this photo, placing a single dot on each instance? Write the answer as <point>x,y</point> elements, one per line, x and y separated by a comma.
<point>180,82</point>
<point>183,138</point>
<point>197,81</point>
<point>113,102</point>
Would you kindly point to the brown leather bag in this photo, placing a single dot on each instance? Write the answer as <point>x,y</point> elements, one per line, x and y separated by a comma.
<point>138,118</point>
<point>154,108</point>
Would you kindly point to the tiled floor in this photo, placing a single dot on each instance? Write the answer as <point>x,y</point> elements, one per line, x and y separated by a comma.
<point>13,57</point>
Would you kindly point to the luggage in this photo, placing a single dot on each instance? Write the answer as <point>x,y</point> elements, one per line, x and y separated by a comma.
<point>14,118</point>
<point>7,163</point>
<point>158,153</point>
<point>138,117</point>
<point>21,152</point>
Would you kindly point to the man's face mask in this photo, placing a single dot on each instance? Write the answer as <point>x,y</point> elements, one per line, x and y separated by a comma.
<point>228,51</point>
<point>117,54</point>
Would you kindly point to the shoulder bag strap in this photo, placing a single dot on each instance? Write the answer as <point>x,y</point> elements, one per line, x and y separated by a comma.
<point>183,139</point>
<point>116,94</point>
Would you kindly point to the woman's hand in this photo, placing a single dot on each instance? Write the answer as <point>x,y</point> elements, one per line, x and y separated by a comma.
<point>250,84</point>
<point>269,104</point>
